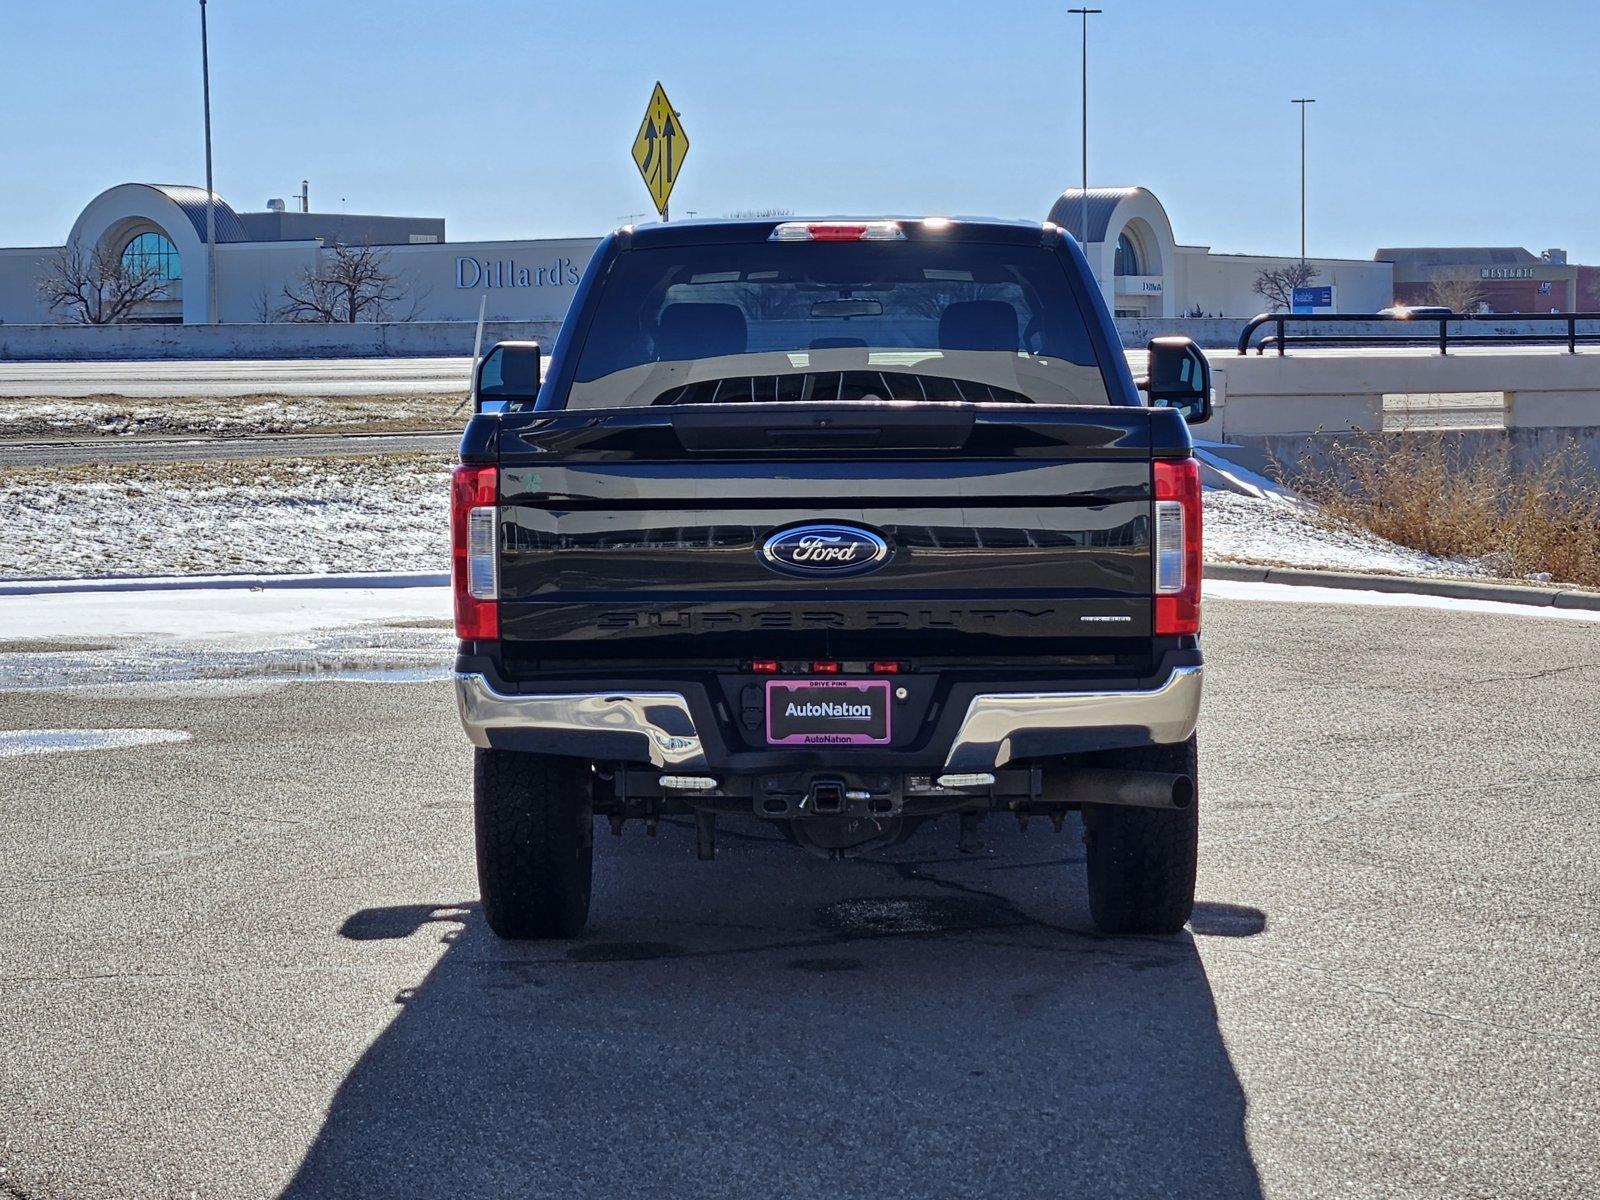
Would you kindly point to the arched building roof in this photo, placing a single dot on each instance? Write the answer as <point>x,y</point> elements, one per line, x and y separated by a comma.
<point>1133,213</point>
<point>192,201</point>
<point>120,213</point>
<point>174,207</point>
<point>1067,211</point>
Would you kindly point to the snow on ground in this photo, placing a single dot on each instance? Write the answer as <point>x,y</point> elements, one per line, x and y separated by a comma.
<point>312,515</point>
<point>119,415</point>
<point>1283,531</point>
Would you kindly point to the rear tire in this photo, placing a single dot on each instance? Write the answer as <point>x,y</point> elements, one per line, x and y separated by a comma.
<point>534,826</point>
<point>1142,860</point>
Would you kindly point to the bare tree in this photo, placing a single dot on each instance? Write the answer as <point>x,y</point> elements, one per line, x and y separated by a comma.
<point>1277,284</point>
<point>1458,293</point>
<point>770,303</point>
<point>741,213</point>
<point>351,283</point>
<point>932,301</point>
<point>266,310</point>
<point>98,288</point>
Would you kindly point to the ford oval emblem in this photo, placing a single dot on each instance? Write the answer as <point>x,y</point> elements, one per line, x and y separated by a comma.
<point>824,550</point>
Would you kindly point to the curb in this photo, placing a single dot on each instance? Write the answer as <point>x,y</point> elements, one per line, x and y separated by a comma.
<point>178,583</point>
<point>1502,593</point>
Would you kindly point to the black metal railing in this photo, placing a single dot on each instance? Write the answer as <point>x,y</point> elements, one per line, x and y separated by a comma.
<point>1404,336</point>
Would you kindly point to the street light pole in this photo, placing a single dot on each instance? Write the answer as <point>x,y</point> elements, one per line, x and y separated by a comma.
<point>1302,104</point>
<point>211,195</point>
<point>1085,13</point>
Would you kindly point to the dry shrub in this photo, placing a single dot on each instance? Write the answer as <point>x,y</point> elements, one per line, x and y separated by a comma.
<point>1450,497</point>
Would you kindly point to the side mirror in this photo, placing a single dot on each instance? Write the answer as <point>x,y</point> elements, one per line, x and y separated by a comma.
<point>509,372</point>
<point>1180,378</point>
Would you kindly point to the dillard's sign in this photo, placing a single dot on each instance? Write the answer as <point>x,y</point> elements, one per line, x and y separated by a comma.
<point>509,273</point>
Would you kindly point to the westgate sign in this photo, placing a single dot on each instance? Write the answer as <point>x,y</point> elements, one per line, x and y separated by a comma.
<point>472,272</point>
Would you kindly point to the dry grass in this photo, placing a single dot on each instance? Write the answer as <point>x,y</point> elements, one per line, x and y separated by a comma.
<point>1427,492</point>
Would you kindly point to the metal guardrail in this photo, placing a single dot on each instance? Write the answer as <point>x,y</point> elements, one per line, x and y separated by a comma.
<point>1443,339</point>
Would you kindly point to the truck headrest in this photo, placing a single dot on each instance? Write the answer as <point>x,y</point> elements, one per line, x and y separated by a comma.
<point>691,330</point>
<point>979,325</point>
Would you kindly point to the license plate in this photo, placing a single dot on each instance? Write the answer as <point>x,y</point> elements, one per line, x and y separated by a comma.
<point>827,712</point>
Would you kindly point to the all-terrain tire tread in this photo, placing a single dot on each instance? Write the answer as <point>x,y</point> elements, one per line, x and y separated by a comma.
<point>533,860</point>
<point>1141,861</point>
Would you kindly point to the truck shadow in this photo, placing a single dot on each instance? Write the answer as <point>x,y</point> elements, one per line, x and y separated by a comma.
<point>921,1024</point>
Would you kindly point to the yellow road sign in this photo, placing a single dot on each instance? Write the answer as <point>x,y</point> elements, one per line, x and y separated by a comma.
<point>660,148</point>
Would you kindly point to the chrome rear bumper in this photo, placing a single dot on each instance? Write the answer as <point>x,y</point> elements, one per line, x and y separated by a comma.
<point>1167,713</point>
<point>660,721</point>
<point>656,727</point>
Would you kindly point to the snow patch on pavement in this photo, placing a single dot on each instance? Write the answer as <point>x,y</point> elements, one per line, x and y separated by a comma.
<point>96,639</point>
<point>19,743</point>
<point>1283,593</point>
<point>284,618</point>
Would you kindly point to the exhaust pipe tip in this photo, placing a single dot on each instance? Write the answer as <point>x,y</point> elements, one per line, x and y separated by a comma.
<point>1137,789</point>
<point>1182,791</point>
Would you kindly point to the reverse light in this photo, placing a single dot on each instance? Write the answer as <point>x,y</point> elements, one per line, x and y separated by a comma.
<point>687,783</point>
<point>474,557</point>
<point>975,779</point>
<point>1177,546</point>
<point>837,231</point>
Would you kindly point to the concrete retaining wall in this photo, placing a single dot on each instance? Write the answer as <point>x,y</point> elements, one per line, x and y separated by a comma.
<point>1311,391</point>
<point>414,339</point>
<point>1525,449</point>
<point>1213,333</point>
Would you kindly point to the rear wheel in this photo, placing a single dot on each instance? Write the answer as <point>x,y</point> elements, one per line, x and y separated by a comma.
<point>1142,860</point>
<point>535,841</point>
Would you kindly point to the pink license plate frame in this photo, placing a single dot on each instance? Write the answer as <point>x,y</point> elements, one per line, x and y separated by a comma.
<point>823,691</point>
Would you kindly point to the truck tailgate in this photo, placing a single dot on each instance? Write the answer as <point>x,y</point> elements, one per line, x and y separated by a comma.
<point>635,534</point>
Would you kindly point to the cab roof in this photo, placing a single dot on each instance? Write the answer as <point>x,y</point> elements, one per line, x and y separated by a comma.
<point>945,229</point>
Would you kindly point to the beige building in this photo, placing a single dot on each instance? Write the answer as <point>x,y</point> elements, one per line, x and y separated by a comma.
<point>1145,272</point>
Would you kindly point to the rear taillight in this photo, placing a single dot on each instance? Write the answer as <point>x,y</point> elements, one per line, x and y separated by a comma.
<point>838,231</point>
<point>475,561</point>
<point>1177,546</point>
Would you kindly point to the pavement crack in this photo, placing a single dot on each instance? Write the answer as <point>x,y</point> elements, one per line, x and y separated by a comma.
<point>1516,678</point>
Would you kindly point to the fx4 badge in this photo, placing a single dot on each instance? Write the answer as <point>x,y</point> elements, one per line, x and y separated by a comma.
<point>824,550</point>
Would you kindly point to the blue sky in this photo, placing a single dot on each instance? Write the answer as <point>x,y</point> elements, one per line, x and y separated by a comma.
<point>1467,122</point>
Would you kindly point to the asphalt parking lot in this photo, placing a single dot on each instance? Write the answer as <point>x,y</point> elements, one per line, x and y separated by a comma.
<point>249,964</point>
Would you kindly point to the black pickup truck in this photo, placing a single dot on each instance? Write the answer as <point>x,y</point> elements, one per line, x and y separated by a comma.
<point>843,525</point>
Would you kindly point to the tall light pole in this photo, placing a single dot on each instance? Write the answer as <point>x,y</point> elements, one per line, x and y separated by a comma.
<point>1085,13</point>
<point>211,201</point>
<point>1302,104</point>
